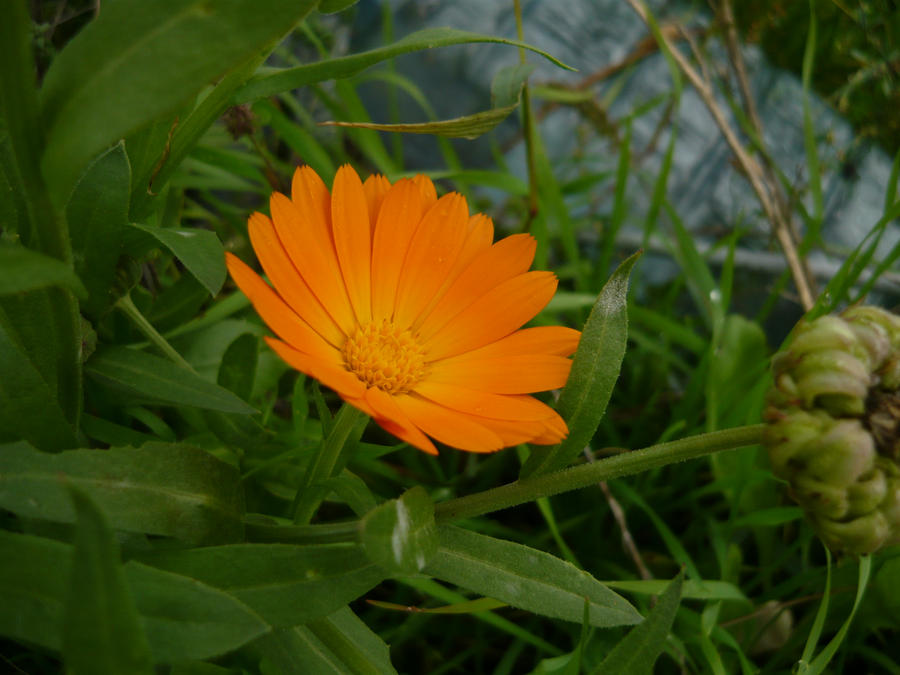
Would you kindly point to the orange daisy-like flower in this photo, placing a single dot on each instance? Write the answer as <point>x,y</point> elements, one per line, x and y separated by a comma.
<point>400,302</point>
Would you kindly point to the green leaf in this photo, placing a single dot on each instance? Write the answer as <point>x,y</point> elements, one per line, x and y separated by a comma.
<point>340,643</point>
<point>506,92</point>
<point>200,251</point>
<point>138,61</point>
<point>159,379</point>
<point>183,619</point>
<point>335,6</point>
<point>101,630</point>
<point>29,406</point>
<point>595,370</point>
<point>638,651</point>
<point>400,535</point>
<point>160,488</point>
<point>22,270</point>
<point>238,368</point>
<point>286,585</point>
<point>691,589</point>
<point>167,147</point>
<point>276,81</point>
<point>771,517</point>
<point>97,213</point>
<point>526,578</point>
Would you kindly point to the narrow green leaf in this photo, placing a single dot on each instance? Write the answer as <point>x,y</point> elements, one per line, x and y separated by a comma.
<point>169,146</point>
<point>594,373</point>
<point>183,619</point>
<point>339,644</point>
<point>22,270</point>
<point>97,213</point>
<point>809,129</point>
<point>138,61</point>
<point>29,407</point>
<point>526,578</point>
<point>276,81</point>
<point>334,6</point>
<point>400,535</point>
<point>690,590</point>
<point>160,488</point>
<point>101,630</point>
<point>238,369</point>
<point>821,661</point>
<point>506,91</point>
<point>286,585</point>
<point>771,517</point>
<point>159,379</point>
<point>199,250</point>
<point>638,651</point>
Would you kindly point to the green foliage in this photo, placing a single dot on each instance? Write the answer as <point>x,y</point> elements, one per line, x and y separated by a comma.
<point>174,498</point>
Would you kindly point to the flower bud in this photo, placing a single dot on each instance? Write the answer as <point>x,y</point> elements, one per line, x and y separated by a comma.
<point>833,430</point>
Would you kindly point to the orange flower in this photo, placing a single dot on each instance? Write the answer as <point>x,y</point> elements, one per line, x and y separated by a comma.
<point>399,302</point>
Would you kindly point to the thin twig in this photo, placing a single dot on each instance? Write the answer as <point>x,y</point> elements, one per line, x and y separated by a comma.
<point>751,168</point>
<point>619,515</point>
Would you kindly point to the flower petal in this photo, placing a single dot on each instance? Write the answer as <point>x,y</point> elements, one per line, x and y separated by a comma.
<point>287,281</point>
<point>448,426</point>
<point>330,373</point>
<point>353,239</point>
<point>432,252</point>
<point>545,432</point>
<point>389,415</point>
<point>483,403</point>
<point>426,187</point>
<point>401,211</point>
<point>375,188</point>
<point>523,374</point>
<point>555,340</point>
<point>504,260</point>
<point>276,313</point>
<point>494,315</point>
<point>309,247</point>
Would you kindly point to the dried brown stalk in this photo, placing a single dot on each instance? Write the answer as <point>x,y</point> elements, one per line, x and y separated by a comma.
<point>763,184</point>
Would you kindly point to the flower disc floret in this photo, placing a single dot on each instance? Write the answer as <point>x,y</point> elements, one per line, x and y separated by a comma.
<point>383,357</point>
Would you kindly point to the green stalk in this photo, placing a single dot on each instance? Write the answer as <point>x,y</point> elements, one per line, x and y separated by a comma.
<point>581,476</point>
<point>347,427</point>
<point>126,304</point>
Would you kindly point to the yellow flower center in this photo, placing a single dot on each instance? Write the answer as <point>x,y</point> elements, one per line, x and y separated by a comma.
<point>383,357</point>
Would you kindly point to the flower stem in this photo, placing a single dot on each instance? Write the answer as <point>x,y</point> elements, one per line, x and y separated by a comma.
<point>346,429</point>
<point>581,476</point>
<point>126,304</point>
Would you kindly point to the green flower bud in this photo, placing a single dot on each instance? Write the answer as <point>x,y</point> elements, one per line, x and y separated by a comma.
<point>834,426</point>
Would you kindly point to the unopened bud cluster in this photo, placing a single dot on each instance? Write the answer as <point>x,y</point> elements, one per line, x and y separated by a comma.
<point>834,426</point>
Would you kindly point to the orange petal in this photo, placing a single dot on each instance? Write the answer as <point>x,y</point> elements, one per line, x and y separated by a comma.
<point>312,199</point>
<point>287,281</point>
<point>448,426</point>
<point>375,188</point>
<point>331,374</point>
<point>276,313</point>
<point>426,188</point>
<point>309,247</point>
<point>389,415</point>
<point>483,403</point>
<point>523,374</point>
<point>504,260</point>
<point>539,433</point>
<point>556,340</point>
<point>432,252</point>
<point>400,213</point>
<point>494,315</point>
<point>353,239</point>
